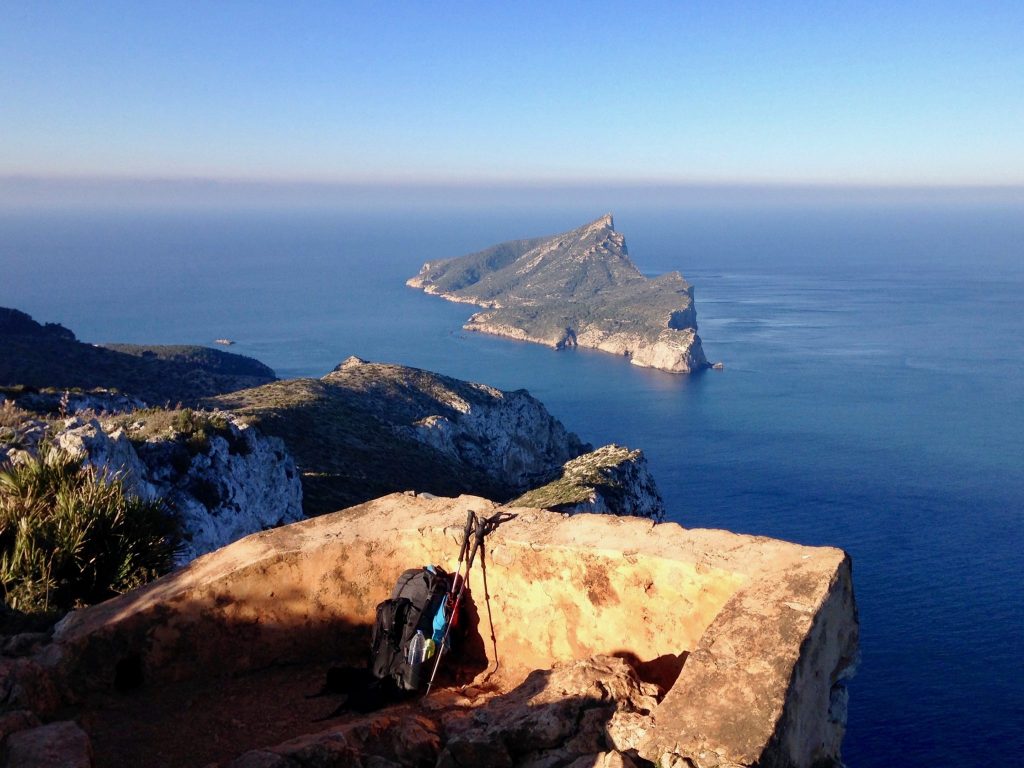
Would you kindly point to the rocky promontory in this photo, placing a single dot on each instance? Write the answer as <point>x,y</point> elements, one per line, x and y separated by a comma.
<point>610,480</point>
<point>367,429</point>
<point>578,288</point>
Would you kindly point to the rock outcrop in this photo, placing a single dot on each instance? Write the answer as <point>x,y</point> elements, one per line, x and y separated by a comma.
<point>223,484</point>
<point>368,429</point>
<point>579,288</point>
<point>610,480</point>
<point>729,649</point>
<point>56,745</point>
<point>579,712</point>
<point>361,431</point>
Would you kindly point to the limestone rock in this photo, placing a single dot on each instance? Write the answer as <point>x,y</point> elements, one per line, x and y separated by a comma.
<point>604,760</point>
<point>578,288</point>
<point>241,484</point>
<point>610,480</point>
<point>23,643</point>
<point>26,684</point>
<point>750,638</point>
<point>378,741</point>
<point>112,454</point>
<point>556,716</point>
<point>56,745</point>
<point>233,483</point>
<point>17,720</point>
<point>368,429</point>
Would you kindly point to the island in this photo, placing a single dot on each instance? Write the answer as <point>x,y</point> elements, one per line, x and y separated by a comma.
<point>578,288</point>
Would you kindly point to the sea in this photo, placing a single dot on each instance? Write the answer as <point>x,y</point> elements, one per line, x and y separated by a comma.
<point>872,396</point>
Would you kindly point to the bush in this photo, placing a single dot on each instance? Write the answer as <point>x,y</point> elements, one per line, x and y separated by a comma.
<point>70,537</point>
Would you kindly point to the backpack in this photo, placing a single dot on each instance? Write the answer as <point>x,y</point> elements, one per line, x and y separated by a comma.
<point>409,626</point>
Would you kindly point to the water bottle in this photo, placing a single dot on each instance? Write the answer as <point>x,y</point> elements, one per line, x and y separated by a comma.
<point>414,656</point>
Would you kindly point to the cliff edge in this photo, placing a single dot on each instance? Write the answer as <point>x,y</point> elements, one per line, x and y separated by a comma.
<point>578,288</point>
<point>612,641</point>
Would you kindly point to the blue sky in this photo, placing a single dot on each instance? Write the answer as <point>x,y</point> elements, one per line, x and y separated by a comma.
<point>703,92</point>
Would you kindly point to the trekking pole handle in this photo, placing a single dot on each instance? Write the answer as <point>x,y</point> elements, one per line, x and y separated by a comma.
<point>470,520</point>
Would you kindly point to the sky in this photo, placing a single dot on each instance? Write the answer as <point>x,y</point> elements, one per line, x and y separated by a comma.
<point>853,93</point>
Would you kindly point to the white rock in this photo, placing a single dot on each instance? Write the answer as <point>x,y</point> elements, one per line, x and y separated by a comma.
<point>112,454</point>
<point>235,487</point>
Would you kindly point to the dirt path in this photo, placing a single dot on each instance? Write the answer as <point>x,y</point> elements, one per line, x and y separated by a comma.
<point>196,723</point>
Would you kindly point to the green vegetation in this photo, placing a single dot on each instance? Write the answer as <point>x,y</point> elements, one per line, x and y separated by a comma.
<point>344,433</point>
<point>195,427</point>
<point>12,418</point>
<point>579,478</point>
<point>70,537</point>
<point>202,358</point>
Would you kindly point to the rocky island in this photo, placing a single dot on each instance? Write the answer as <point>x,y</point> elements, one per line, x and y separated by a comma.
<point>578,288</point>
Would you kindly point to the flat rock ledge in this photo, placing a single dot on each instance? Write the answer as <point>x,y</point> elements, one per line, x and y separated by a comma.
<point>616,641</point>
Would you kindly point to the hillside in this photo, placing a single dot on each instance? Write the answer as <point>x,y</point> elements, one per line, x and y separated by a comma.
<point>38,356</point>
<point>368,429</point>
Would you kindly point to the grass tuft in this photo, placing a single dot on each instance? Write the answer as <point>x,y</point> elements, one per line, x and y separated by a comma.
<point>68,537</point>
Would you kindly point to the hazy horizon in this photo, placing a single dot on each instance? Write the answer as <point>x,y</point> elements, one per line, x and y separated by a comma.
<point>864,94</point>
<point>37,192</point>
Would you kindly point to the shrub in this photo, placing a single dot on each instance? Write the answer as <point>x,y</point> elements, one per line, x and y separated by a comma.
<point>70,537</point>
<point>11,416</point>
<point>194,428</point>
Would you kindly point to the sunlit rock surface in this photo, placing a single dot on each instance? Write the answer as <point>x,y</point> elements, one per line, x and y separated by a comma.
<point>743,642</point>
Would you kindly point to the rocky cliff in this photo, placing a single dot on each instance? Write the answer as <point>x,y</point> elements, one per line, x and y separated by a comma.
<point>579,288</point>
<point>219,476</point>
<point>598,640</point>
<point>367,429</point>
<point>610,480</point>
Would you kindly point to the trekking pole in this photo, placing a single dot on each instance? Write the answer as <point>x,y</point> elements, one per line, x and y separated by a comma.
<point>483,527</point>
<point>471,520</point>
<point>458,598</point>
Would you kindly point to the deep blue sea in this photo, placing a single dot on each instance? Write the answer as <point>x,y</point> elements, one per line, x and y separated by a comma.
<point>872,397</point>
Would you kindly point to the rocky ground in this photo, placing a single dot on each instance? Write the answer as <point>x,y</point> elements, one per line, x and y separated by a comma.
<point>589,712</point>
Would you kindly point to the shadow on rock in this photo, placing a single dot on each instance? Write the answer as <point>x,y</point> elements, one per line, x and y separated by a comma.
<point>583,713</point>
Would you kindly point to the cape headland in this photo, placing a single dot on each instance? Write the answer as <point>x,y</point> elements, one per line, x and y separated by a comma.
<point>578,288</point>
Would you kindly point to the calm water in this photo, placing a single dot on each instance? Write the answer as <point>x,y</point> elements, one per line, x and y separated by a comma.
<point>871,399</point>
